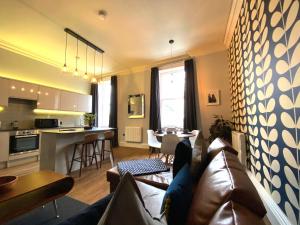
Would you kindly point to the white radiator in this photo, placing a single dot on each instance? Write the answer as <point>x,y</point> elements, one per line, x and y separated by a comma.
<point>239,144</point>
<point>133,134</point>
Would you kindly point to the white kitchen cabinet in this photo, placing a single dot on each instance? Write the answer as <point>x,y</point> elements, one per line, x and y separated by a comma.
<point>68,101</point>
<point>48,98</point>
<point>4,86</point>
<point>23,90</point>
<point>84,103</point>
<point>4,146</point>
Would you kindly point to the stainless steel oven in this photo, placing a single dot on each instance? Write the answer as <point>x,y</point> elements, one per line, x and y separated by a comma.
<point>23,141</point>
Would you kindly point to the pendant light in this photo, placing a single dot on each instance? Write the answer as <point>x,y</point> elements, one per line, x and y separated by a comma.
<point>86,76</point>
<point>65,69</point>
<point>171,42</point>
<point>94,80</point>
<point>76,69</point>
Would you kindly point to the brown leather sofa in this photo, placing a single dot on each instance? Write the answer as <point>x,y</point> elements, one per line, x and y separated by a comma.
<point>224,194</point>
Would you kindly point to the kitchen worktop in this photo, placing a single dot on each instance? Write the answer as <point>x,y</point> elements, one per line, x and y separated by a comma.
<point>75,130</point>
<point>41,129</point>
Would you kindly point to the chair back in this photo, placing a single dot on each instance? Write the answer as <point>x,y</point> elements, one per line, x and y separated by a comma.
<point>90,138</point>
<point>108,135</point>
<point>193,139</point>
<point>151,137</point>
<point>169,143</point>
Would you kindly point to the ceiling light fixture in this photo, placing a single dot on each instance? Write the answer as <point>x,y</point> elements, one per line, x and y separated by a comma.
<point>65,69</point>
<point>88,44</point>
<point>86,76</point>
<point>102,14</point>
<point>77,57</point>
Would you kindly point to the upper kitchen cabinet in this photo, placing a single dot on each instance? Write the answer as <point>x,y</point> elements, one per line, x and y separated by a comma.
<point>4,86</point>
<point>23,90</point>
<point>48,98</point>
<point>68,101</point>
<point>84,103</point>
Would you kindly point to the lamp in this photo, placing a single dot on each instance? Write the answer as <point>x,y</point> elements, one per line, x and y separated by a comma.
<point>86,76</point>
<point>76,69</point>
<point>65,69</point>
<point>88,44</point>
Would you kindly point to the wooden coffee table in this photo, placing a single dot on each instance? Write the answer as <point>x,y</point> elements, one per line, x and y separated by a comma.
<point>160,180</point>
<point>32,191</point>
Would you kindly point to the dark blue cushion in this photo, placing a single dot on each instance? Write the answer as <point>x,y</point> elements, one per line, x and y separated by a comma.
<point>183,155</point>
<point>178,197</point>
<point>90,215</point>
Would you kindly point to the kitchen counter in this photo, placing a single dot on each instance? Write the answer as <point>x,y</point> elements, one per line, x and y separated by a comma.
<point>40,129</point>
<point>57,146</point>
<point>76,130</point>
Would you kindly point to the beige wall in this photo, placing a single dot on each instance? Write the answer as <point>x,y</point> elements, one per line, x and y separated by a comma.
<point>19,67</point>
<point>212,73</point>
<point>137,83</point>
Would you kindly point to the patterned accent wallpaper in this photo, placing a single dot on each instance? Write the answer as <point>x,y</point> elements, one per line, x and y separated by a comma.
<point>264,64</point>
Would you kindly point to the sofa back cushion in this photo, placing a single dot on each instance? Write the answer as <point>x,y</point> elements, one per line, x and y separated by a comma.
<point>223,180</point>
<point>232,213</point>
<point>218,145</point>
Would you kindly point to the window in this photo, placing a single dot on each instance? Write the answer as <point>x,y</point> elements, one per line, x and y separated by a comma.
<point>104,90</point>
<point>171,85</point>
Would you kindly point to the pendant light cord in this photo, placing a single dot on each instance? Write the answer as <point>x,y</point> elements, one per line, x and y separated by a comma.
<point>77,54</point>
<point>66,44</point>
<point>86,59</point>
<point>101,66</point>
<point>94,63</point>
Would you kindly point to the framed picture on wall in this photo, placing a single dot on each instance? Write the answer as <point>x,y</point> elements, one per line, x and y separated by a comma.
<point>213,97</point>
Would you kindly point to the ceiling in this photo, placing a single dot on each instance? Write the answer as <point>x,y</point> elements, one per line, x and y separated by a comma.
<point>134,33</point>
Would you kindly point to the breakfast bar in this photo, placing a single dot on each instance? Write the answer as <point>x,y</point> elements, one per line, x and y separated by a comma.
<point>57,147</point>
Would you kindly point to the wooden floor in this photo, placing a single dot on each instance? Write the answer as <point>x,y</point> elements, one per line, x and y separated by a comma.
<point>92,184</point>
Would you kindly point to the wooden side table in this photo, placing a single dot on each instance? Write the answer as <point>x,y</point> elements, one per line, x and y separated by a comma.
<point>32,191</point>
<point>160,180</point>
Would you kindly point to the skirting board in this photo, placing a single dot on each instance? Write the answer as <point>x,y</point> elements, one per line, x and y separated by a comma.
<point>274,213</point>
<point>133,145</point>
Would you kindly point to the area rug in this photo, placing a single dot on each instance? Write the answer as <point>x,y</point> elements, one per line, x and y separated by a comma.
<point>67,207</point>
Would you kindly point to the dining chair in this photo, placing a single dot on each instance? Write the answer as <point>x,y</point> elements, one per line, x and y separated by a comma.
<point>168,145</point>
<point>153,143</point>
<point>193,139</point>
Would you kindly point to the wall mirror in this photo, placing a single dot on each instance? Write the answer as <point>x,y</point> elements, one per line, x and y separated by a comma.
<point>136,106</point>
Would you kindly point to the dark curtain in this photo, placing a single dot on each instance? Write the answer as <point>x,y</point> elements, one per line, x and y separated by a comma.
<point>113,116</point>
<point>154,122</point>
<point>190,115</point>
<point>94,93</point>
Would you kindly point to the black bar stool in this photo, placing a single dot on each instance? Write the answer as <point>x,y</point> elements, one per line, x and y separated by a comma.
<point>107,136</point>
<point>89,140</point>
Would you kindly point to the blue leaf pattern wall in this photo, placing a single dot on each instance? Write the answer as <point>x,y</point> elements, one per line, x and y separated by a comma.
<point>264,69</point>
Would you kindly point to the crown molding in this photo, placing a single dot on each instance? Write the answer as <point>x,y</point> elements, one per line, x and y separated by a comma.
<point>12,48</point>
<point>232,20</point>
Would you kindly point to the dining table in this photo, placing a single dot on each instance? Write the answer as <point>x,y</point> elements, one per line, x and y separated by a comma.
<point>180,135</point>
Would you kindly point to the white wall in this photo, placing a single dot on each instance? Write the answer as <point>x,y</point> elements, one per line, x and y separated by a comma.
<point>19,67</point>
<point>137,83</point>
<point>212,73</point>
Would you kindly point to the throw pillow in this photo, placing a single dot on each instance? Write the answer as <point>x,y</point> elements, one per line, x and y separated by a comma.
<point>178,197</point>
<point>183,155</point>
<point>198,157</point>
<point>127,206</point>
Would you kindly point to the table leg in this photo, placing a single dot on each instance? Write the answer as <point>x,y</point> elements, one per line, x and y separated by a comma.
<point>55,208</point>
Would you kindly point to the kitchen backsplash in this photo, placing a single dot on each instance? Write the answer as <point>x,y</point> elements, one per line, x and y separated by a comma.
<point>22,111</point>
